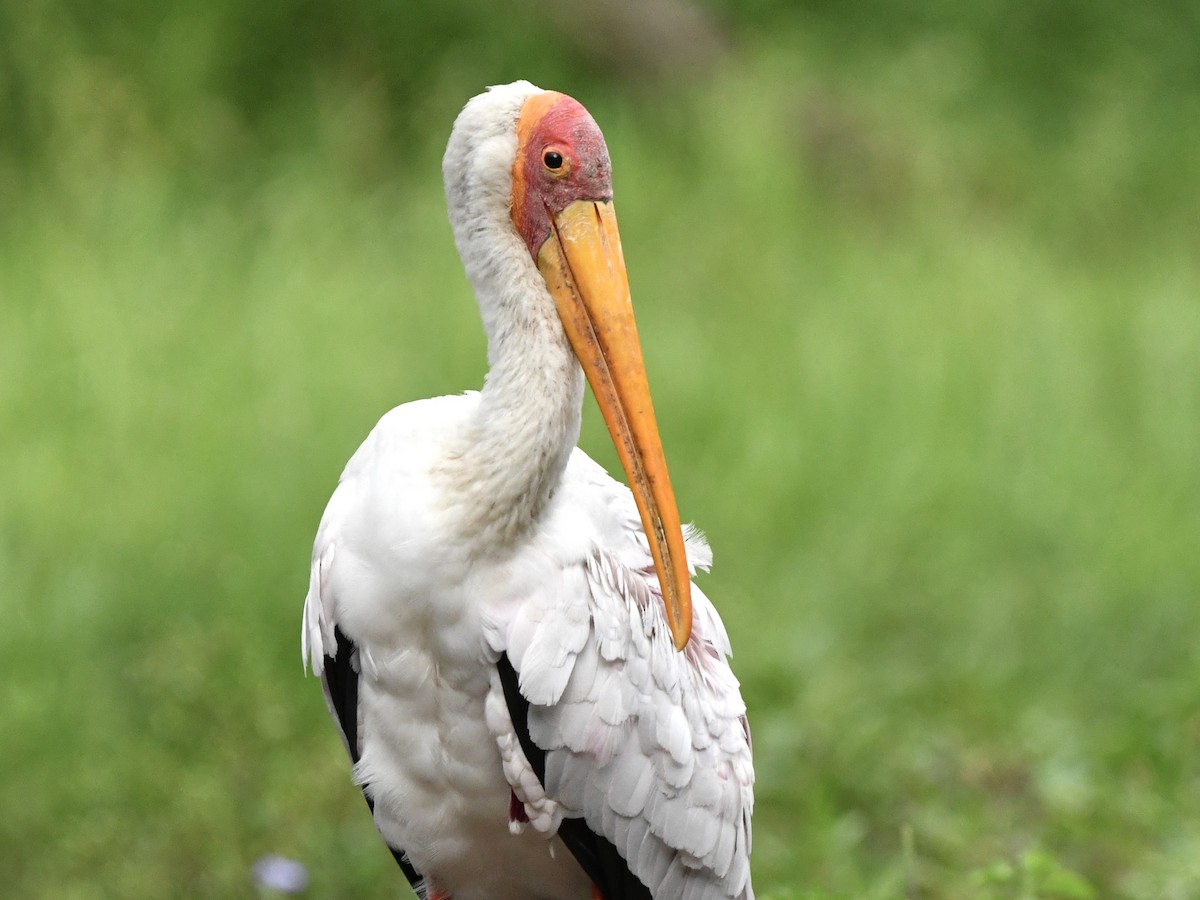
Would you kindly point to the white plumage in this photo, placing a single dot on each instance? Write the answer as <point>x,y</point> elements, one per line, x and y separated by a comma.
<point>468,528</point>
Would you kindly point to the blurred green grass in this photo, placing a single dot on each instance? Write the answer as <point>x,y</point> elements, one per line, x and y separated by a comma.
<point>927,363</point>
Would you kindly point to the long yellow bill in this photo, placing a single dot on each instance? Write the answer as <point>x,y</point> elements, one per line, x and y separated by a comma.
<point>585,271</point>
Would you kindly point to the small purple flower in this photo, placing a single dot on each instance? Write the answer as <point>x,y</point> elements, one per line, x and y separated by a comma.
<point>278,873</point>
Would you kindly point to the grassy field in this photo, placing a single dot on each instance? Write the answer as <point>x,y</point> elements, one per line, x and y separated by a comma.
<point>928,374</point>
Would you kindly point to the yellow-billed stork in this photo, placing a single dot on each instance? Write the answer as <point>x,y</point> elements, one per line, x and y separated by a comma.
<point>537,700</point>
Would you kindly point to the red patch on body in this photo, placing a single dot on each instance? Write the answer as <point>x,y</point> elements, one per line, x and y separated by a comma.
<point>553,122</point>
<point>516,809</point>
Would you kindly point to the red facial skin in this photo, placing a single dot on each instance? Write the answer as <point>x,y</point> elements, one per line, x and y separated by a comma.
<point>553,122</point>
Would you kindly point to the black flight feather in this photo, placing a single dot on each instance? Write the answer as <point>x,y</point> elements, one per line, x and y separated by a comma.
<point>341,687</point>
<point>595,854</point>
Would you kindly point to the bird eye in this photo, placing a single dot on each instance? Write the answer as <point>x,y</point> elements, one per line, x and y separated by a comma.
<point>553,160</point>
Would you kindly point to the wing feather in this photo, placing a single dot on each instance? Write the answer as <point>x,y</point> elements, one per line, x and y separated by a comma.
<point>642,747</point>
<point>334,657</point>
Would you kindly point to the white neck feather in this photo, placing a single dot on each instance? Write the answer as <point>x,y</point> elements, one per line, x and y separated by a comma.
<point>512,452</point>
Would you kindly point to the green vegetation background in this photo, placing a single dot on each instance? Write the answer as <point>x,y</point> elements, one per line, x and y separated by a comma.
<point>919,287</point>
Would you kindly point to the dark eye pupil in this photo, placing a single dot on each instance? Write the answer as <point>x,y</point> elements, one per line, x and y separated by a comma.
<point>553,160</point>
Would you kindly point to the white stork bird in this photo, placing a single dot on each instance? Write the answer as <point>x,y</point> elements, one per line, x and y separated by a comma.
<point>537,700</point>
